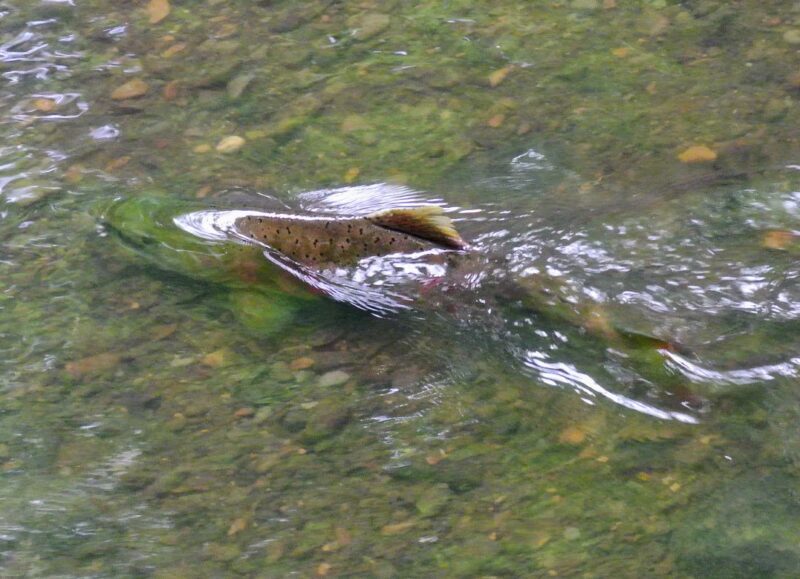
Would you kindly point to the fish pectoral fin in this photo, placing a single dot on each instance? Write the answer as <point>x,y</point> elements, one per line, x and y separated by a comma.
<point>427,222</point>
<point>376,302</point>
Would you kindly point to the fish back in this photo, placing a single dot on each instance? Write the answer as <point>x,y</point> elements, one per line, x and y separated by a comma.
<point>322,242</point>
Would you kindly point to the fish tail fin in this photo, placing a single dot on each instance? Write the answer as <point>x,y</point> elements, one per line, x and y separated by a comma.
<point>427,222</point>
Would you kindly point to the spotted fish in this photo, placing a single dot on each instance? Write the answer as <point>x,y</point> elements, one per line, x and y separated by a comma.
<point>319,241</point>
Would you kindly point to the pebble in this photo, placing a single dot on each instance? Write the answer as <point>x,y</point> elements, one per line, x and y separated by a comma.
<point>117,164</point>
<point>301,363</point>
<point>263,415</point>
<point>697,154</point>
<point>572,435</point>
<point>171,90</point>
<point>371,25</point>
<point>397,528</point>
<point>177,422</point>
<point>163,331</point>
<point>157,10</point>
<point>130,90</point>
<point>174,49</point>
<point>216,359</point>
<point>353,123</point>
<point>93,364</point>
<point>230,144</point>
<point>499,76</point>
<point>776,109</point>
<point>777,239</point>
<point>496,121</point>
<point>225,553</point>
<point>238,84</point>
<point>281,372</point>
<point>333,378</point>
<point>351,174</point>
<point>792,36</point>
<point>237,526</point>
<point>44,105</point>
<point>301,376</point>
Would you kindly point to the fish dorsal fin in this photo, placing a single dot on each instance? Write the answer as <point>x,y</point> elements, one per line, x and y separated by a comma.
<point>428,222</point>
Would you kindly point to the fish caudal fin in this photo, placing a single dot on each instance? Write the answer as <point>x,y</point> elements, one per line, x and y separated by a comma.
<point>428,222</point>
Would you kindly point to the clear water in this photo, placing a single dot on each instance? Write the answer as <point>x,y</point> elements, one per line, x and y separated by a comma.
<point>176,406</point>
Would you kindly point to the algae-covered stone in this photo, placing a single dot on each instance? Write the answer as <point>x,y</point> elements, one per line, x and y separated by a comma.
<point>326,419</point>
<point>263,312</point>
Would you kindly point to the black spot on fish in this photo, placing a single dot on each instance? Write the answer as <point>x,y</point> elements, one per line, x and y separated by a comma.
<point>391,240</point>
<point>347,239</point>
<point>316,241</point>
<point>260,220</point>
<point>289,231</point>
<point>326,224</point>
<point>297,242</point>
<point>349,227</point>
<point>361,231</point>
<point>377,239</point>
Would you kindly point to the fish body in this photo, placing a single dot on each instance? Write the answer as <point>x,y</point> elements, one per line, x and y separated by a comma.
<point>476,288</point>
<point>322,241</point>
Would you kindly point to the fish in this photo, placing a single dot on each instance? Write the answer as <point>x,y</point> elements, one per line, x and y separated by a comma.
<point>319,242</point>
<point>385,250</point>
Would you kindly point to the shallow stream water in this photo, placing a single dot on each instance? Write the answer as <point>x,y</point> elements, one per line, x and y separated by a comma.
<point>176,407</point>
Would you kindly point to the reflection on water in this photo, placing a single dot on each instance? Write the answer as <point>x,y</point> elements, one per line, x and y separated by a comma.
<point>605,384</point>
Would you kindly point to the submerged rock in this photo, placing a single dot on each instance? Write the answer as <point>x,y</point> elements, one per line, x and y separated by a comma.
<point>333,378</point>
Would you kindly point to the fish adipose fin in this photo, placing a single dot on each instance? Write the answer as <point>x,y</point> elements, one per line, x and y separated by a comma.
<point>428,222</point>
